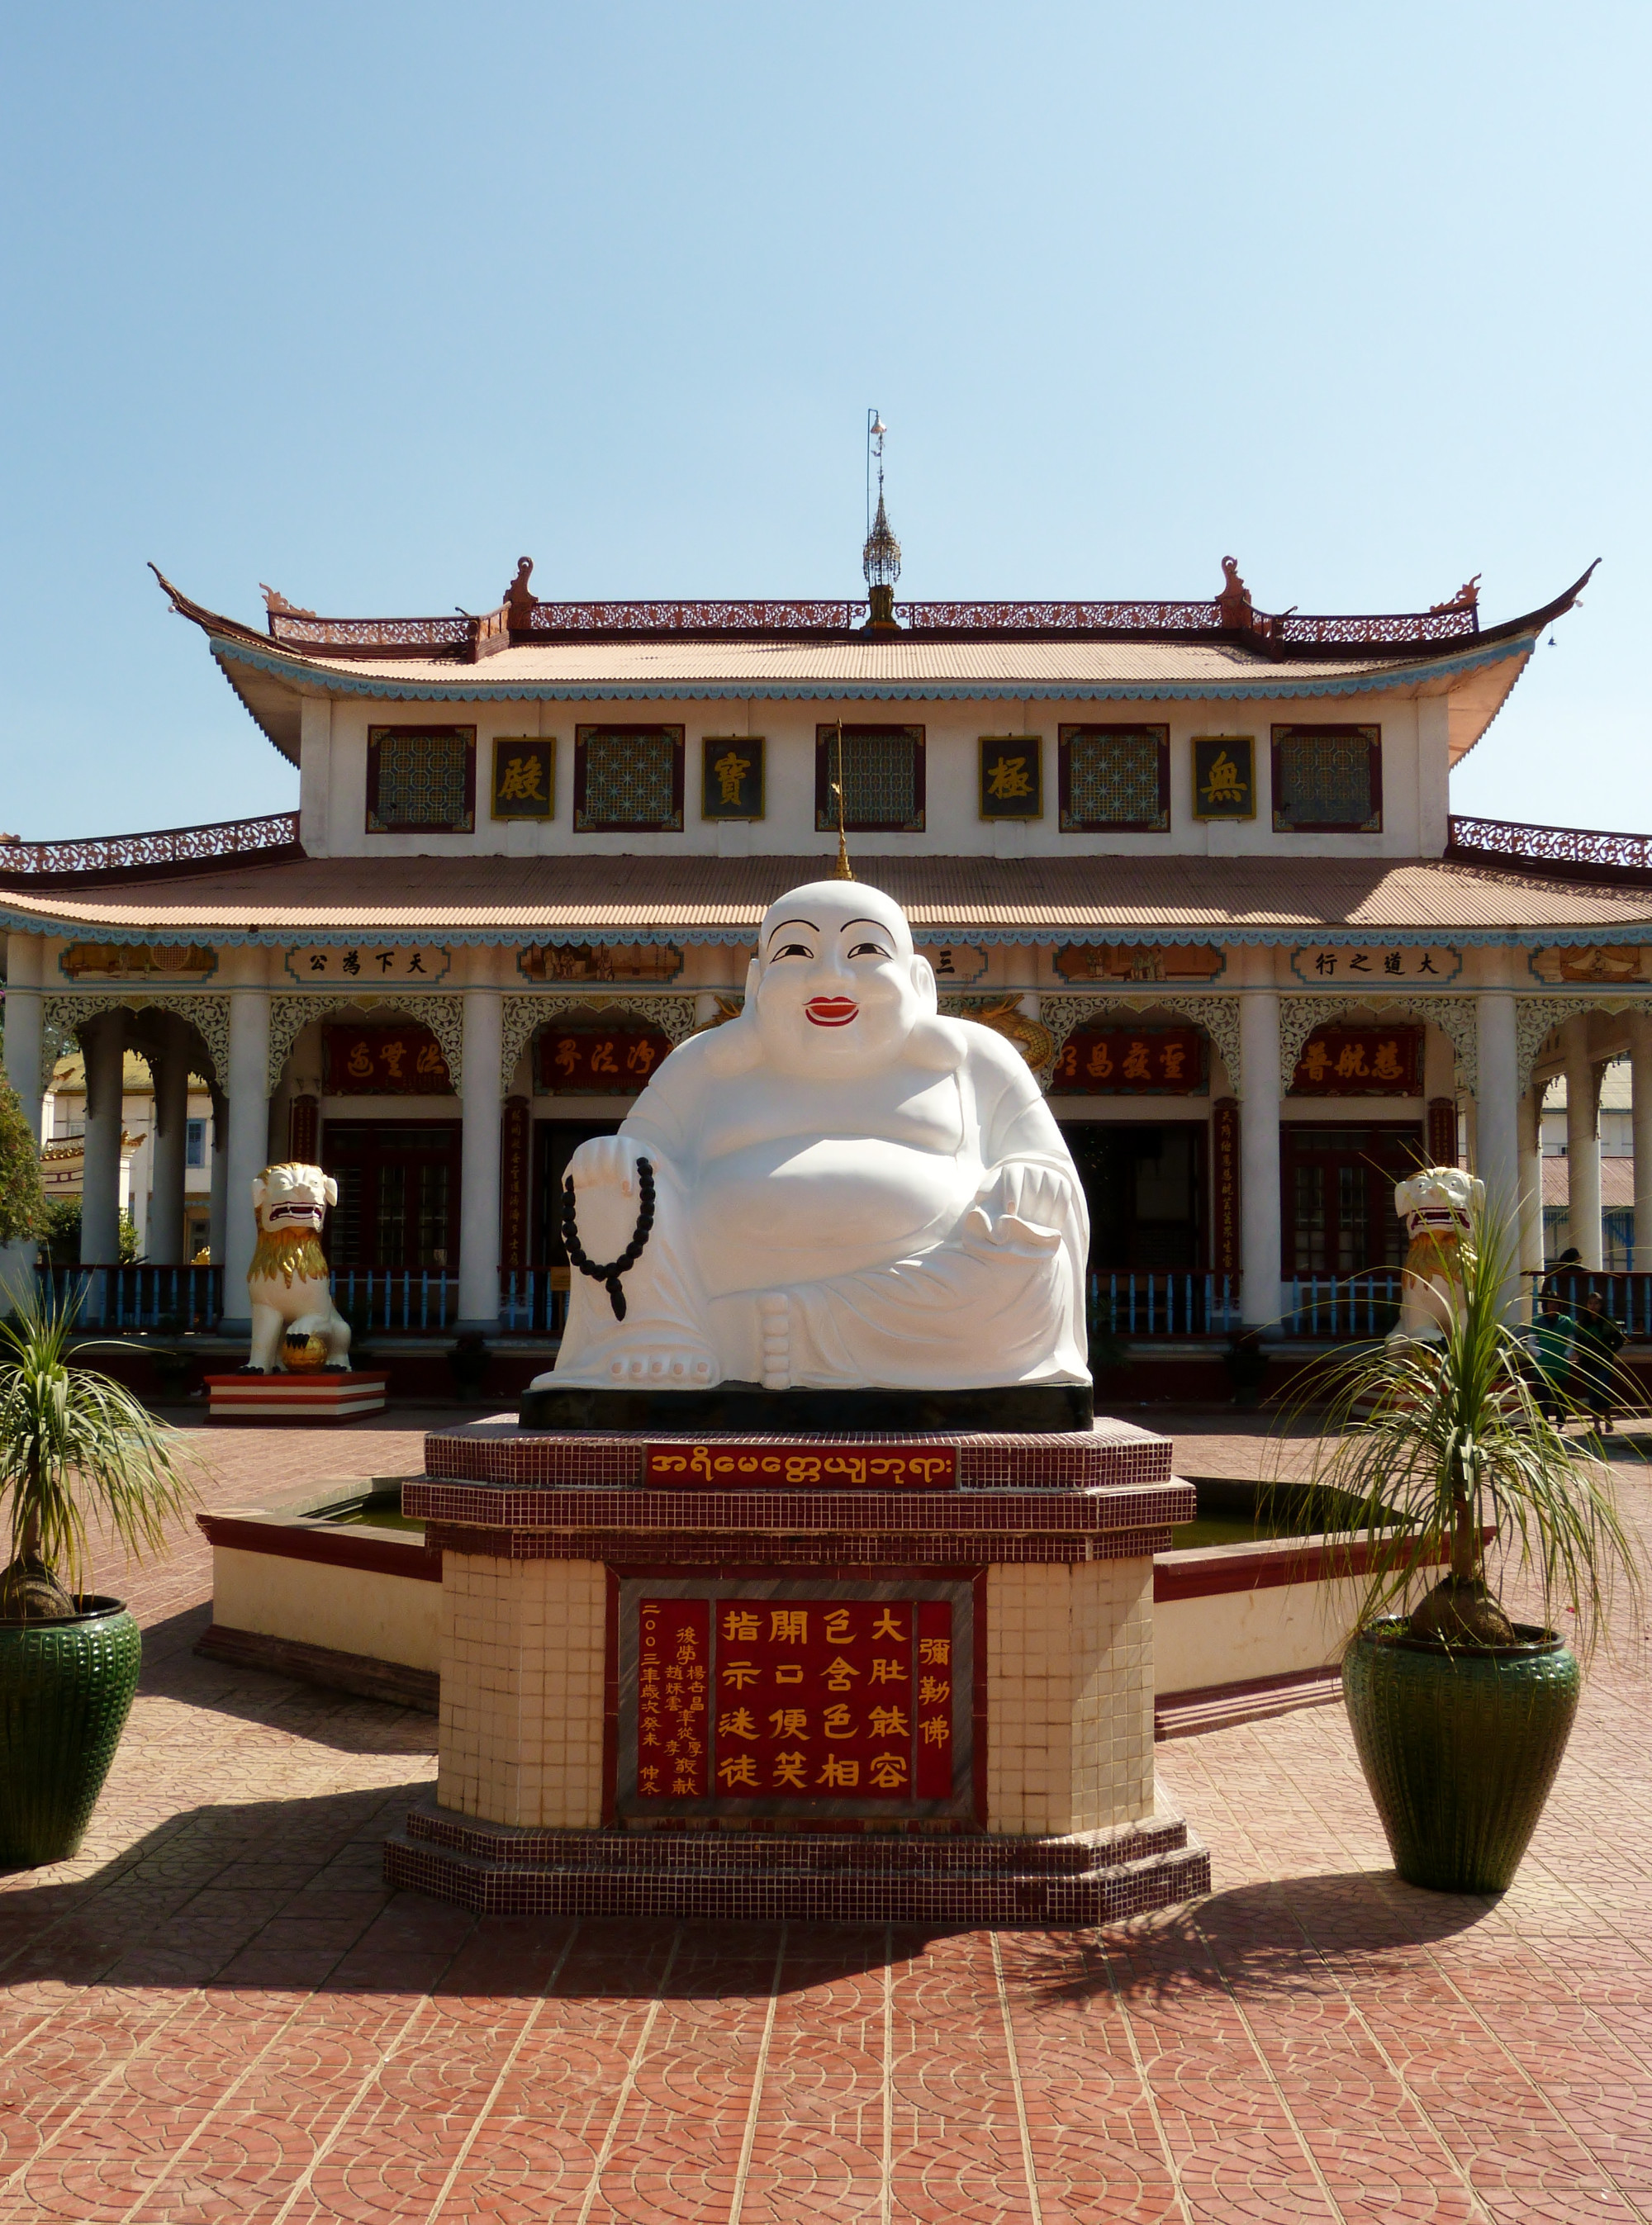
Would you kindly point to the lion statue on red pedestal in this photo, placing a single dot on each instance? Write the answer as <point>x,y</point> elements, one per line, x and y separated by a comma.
<point>297,1329</point>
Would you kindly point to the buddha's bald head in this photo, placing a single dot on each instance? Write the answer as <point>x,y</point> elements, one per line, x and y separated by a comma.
<point>836,989</point>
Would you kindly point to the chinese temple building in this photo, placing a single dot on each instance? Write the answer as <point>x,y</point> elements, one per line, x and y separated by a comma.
<point>1195,859</point>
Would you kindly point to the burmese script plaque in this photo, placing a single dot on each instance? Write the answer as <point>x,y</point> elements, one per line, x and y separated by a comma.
<point>789,1698</point>
<point>721,1465</point>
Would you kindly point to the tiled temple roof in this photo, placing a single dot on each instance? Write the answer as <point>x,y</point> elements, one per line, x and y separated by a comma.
<point>1111,898</point>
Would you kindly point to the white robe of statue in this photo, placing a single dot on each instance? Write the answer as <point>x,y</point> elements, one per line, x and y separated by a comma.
<point>849,1190</point>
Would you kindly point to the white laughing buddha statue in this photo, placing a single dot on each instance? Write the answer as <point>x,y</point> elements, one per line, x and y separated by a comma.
<point>847,1190</point>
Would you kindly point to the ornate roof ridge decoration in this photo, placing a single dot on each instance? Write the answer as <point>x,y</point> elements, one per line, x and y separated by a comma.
<point>523,618</point>
<point>159,854</point>
<point>1567,853</point>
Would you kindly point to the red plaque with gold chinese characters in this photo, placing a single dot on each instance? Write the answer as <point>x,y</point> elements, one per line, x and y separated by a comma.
<point>599,1061</point>
<point>1360,1062</point>
<point>403,1060</point>
<point>773,1697</point>
<point>1144,1062</point>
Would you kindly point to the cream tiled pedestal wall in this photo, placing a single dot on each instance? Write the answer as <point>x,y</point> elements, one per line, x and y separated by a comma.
<point>522,1669</point>
<point>1040,1543</point>
<point>1069,1696</point>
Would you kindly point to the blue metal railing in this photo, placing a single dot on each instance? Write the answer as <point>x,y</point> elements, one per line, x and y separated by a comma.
<point>1629,1296</point>
<point>533,1300</point>
<point>408,1301</point>
<point>173,1300</point>
<point>1136,1303</point>
<point>1331,1307</point>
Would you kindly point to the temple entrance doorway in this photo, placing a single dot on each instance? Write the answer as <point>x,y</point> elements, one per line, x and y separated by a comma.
<point>1145,1186</point>
<point>399,1193</point>
<point>1337,1193</point>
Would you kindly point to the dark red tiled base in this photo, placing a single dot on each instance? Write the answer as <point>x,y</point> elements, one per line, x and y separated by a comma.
<point>804,1877</point>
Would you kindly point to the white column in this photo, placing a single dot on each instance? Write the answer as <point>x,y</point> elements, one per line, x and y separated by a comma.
<point>249,1125</point>
<point>1258,1166</point>
<point>1531,1180</point>
<point>480,1095</point>
<point>103,1043</point>
<point>24,961</point>
<point>1640,1074</point>
<point>169,1069</point>
<point>1582,1140</point>
<point>1497,1136</point>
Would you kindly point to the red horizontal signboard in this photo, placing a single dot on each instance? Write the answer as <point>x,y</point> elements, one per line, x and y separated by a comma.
<point>686,1465</point>
<point>760,1699</point>
<point>587,1061</point>
<point>1360,1062</point>
<point>386,1062</point>
<point>1146,1061</point>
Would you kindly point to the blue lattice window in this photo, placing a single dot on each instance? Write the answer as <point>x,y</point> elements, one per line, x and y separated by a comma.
<point>1115,779</point>
<point>421,780</point>
<point>628,777</point>
<point>883,780</point>
<point>1328,778</point>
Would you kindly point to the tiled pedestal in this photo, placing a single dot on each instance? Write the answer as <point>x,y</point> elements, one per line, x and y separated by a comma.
<point>766,1686</point>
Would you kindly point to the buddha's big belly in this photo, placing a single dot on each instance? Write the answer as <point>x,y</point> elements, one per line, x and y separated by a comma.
<point>799,1209</point>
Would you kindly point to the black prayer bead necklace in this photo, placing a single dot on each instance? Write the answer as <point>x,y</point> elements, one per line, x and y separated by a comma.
<point>609,1276</point>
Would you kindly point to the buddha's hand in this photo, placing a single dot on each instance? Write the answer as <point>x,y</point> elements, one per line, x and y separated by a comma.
<point>607,1163</point>
<point>1022,1206</point>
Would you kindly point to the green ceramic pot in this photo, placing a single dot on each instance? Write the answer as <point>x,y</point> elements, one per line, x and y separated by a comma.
<point>65,1691</point>
<point>1459,1746</point>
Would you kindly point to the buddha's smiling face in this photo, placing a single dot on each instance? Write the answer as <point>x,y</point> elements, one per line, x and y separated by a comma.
<point>839,990</point>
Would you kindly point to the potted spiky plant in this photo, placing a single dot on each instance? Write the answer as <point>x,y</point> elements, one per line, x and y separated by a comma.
<point>72,1441</point>
<point>1461,1712</point>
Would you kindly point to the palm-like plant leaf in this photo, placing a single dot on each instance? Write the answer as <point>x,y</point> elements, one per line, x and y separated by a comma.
<point>73,1440</point>
<point>1437,1443</point>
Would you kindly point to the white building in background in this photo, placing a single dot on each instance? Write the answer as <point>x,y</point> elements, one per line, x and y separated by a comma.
<point>63,1125</point>
<point>1616,1115</point>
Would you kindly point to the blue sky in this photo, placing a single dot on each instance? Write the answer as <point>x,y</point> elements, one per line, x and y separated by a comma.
<point>366,301</point>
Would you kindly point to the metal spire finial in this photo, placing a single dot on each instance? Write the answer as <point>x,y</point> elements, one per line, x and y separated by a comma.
<point>880,557</point>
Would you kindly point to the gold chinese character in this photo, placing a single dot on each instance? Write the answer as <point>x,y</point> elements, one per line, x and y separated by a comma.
<point>519,783</point>
<point>1223,785</point>
<point>739,1769</point>
<point>603,1060</point>
<point>836,1626</point>
<point>836,1723</point>
<point>648,1780</point>
<point>359,1064</point>
<point>640,1056</point>
<point>886,1626</point>
<point>789,1672</point>
<point>788,1723</point>
<point>1099,1064</point>
<point>889,1772</point>
<point>1316,1061</point>
<point>1174,1055</point>
<point>739,1722</point>
<point>932,1690</point>
<point>788,1770</point>
<point>731,770</point>
<point>1009,780</point>
<point>567,1052</point>
<point>839,1674</point>
<point>739,1674</point>
<point>889,1722</point>
<point>886,1670</point>
<point>937,1652</point>
<point>1351,1062</point>
<point>1135,1062</point>
<point>935,1730</point>
<point>838,1770</point>
<point>789,1626</point>
<point>740,1625</point>
<point>1385,1066</point>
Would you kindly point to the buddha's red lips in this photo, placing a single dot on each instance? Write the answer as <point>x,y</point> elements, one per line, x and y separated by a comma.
<point>831,1012</point>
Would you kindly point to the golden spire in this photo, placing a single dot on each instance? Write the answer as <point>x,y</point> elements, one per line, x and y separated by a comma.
<point>845,872</point>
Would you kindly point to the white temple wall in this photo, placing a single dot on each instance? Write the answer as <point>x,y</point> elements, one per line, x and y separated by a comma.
<point>1414,779</point>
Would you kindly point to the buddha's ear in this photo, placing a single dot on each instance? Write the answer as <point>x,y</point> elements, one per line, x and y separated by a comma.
<point>924,982</point>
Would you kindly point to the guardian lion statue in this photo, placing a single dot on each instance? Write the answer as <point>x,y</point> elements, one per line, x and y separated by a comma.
<point>1437,1204</point>
<point>295,1325</point>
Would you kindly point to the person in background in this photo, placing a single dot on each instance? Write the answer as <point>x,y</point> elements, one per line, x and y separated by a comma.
<point>1596,1342</point>
<point>1551,1351</point>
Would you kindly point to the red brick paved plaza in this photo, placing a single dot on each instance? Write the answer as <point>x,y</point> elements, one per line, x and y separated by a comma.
<point>217,2013</point>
